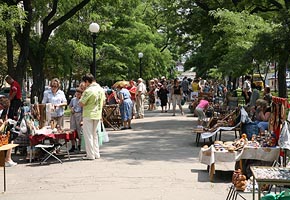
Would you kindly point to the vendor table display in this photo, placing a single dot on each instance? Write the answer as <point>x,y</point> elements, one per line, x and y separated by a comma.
<point>226,152</point>
<point>53,135</point>
<point>269,175</point>
<point>65,134</point>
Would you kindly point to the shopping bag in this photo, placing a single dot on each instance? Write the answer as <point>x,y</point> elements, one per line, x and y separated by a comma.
<point>158,102</point>
<point>102,133</point>
<point>183,101</point>
<point>284,138</point>
<point>83,145</point>
<point>105,134</point>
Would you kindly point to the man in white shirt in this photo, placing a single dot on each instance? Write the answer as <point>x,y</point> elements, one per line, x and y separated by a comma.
<point>140,98</point>
<point>247,89</point>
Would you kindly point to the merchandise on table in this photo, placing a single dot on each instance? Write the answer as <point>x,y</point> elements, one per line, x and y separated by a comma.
<point>272,173</point>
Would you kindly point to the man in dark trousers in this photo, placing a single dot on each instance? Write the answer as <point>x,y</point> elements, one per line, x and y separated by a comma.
<point>247,89</point>
<point>15,97</point>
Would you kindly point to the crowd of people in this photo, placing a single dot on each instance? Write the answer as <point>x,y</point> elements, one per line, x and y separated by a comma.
<point>87,105</point>
<point>256,103</point>
<point>159,92</point>
<point>86,113</point>
<point>258,107</point>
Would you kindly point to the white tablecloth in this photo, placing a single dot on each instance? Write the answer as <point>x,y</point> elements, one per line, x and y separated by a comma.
<point>210,155</point>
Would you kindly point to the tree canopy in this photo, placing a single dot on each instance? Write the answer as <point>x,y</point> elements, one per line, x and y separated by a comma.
<point>215,38</point>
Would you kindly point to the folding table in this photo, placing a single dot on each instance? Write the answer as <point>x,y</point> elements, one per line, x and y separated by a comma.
<point>210,156</point>
<point>66,135</point>
<point>2,159</point>
<point>274,176</point>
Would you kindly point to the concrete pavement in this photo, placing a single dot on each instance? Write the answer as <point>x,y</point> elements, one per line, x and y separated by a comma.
<point>156,160</point>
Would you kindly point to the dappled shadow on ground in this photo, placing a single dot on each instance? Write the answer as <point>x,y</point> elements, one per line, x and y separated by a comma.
<point>219,176</point>
<point>155,138</point>
<point>20,159</point>
<point>158,137</point>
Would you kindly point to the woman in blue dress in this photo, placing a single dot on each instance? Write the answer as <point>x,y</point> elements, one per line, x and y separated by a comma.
<point>126,107</point>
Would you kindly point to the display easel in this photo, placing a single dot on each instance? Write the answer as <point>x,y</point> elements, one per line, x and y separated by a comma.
<point>2,159</point>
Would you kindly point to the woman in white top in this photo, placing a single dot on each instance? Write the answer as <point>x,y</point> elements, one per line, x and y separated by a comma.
<point>56,97</point>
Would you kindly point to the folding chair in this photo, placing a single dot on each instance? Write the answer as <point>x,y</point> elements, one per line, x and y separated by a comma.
<point>234,194</point>
<point>49,149</point>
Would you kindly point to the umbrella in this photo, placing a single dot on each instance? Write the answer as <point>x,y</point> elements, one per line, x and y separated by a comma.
<point>121,84</point>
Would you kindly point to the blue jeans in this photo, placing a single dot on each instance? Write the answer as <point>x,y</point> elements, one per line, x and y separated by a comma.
<point>262,125</point>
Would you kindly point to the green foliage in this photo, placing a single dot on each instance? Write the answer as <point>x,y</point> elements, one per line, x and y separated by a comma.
<point>240,32</point>
<point>3,61</point>
<point>217,38</point>
<point>10,17</point>
<point>126,28</point>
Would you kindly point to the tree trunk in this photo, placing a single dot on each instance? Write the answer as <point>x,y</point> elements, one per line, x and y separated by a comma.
<point>282,66</point>
<point>36,60</point>
<point>36,54</point>
<point>22,37</point>
<point>37,87</point>
<point>9,49</point>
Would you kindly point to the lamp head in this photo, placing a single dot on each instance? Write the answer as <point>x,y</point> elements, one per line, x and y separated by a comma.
<point>94,28</point>
<point>140,55</point>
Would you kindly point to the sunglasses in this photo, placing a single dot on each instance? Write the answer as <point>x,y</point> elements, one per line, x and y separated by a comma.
<point>54,86</point>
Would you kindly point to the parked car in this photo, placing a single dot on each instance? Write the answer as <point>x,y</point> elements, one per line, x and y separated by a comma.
<point>5,91</point>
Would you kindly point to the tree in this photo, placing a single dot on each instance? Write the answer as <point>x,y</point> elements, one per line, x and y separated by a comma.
<point>204,57</point>
<point>10,16</point>
<point>33,46</point>
<point>126,30</point>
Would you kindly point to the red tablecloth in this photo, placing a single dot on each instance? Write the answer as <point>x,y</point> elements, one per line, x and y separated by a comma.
<point>66,135</point>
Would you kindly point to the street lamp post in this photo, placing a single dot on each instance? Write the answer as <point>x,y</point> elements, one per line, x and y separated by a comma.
<point>94,29</point>
<point>140,56</point>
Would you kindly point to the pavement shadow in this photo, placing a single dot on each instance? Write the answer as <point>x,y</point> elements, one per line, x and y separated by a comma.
<point>219,176</point>
<point>159,140</point>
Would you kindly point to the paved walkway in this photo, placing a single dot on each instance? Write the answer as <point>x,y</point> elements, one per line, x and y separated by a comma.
<point>156,160</point>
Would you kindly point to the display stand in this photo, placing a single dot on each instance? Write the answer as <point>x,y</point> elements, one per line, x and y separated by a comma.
<point>277,177</point>
<point>112,117</point>
<point>2,159</point>
<point>210,156</point>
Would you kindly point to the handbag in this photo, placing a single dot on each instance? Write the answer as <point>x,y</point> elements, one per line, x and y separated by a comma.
<point>102,133</point>
<point>158,102</point>
<point>182,101</point>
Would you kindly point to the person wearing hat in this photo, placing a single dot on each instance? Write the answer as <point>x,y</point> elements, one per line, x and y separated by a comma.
<point>140,98</point>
